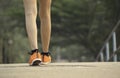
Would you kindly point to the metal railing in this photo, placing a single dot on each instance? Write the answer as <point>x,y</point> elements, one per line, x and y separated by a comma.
<point>106,47</point>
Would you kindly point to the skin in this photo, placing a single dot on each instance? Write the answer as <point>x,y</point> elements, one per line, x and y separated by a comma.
<point>45,18</point>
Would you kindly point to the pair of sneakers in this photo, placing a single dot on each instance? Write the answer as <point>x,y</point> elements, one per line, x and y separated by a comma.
<point>37,58</point>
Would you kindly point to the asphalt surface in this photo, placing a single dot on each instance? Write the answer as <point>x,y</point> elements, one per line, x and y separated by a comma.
<point>62,70</point>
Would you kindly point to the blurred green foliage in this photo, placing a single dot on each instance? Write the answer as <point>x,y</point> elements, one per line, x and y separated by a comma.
<point>79,29</point>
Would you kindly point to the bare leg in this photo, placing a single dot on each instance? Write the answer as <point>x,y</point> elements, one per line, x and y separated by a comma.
<point>45,18</point>
<point>30,14</point>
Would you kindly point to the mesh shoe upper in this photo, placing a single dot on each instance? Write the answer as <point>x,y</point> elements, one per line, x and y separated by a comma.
<point>46,57</point>
<point>35,57</point>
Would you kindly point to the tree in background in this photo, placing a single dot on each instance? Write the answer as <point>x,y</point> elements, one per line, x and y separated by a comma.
<point>79,29</point>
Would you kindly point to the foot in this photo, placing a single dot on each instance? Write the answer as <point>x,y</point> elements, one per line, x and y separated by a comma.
<point>35,58</point>
<point>46,58</point>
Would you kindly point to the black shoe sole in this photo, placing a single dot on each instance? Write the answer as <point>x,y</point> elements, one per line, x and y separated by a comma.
<point>36,63</point>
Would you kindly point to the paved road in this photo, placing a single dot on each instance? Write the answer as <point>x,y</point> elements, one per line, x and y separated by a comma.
<point>62,70</point>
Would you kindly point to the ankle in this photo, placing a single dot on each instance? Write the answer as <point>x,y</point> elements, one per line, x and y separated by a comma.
<point>33,51</point>
<point>46,53</point>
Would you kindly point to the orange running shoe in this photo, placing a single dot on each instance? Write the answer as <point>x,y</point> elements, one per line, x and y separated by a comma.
<point>35,58</point>
<point>46,58</point>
